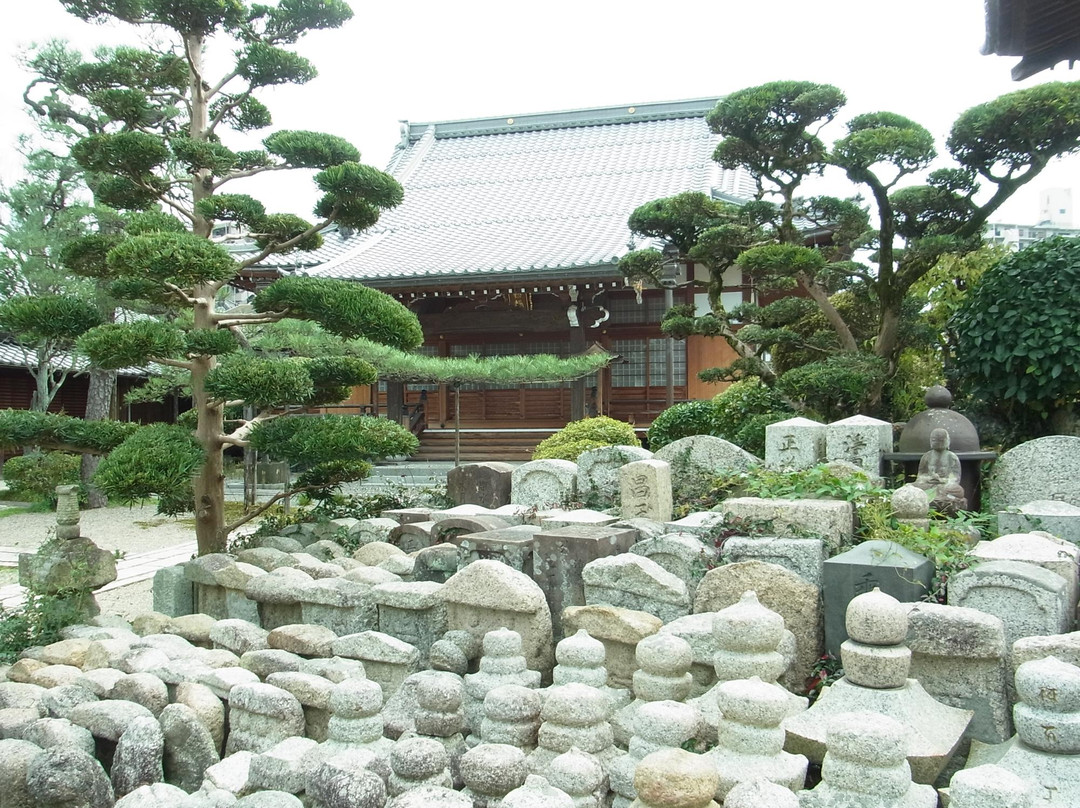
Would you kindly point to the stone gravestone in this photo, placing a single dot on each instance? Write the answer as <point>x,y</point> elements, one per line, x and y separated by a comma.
<point>1039,549</point>
<point>486,484</point>
<point>884,565</point>
<point>544,484</point>
<point>684,556</point>
<point>859,440</point>
<point>797,443</point>
<point>778,589</point>
<point>598,472</point>
<point>831,519</point>
<point>1044,468</point>
<point>512,546</point>
<point>1061,519</point>
<point>646,490</point>
<point>1030,600</point>
<point>559,556</point>
<point>630,581</point>
<point>696,460</point>
<point>488,595</point>
<point>804,557</point>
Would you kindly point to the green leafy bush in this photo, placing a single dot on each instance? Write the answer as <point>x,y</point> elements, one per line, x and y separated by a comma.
<point>682,421</point>
<point>37,622</point>
<point>589,433</point>
<point>835,387</point>
<point>744,410</point>
<point>34,477</point>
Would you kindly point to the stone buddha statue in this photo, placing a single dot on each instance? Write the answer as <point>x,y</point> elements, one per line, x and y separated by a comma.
<point>939,475</point>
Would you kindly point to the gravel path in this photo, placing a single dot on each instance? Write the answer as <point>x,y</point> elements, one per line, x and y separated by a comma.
<point>128,530</point>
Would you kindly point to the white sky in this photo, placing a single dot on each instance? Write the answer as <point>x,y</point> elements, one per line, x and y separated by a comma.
<point>435,60</point>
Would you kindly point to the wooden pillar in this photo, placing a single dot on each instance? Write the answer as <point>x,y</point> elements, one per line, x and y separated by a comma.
<point>395,400</point>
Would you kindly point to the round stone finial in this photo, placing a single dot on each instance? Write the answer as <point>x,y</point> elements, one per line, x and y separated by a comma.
<point>938,397</point>
<point>494,769</point>
<point>875,618</point>
<point>664,655</point>
<point>867,737</point>
<point>1049,684</point>
<point>673,778</point>
<point>748,626</point>
<point>988,786</point>
<point>502,642</point>
<point>418,758</point>
<point>575,772</point>
<point>666,723</point>
<point>752,701</point>
<point>439,694</point>
<point>536,793</point>
<point>575,705</point>
<point>512,703</point>
<point>758,793</point>
<point>580,651</point>
<point>910,502</point>
<point>356,698</point>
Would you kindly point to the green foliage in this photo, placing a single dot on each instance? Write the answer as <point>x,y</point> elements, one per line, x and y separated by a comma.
<point>816,482</point>
<point>883,137</point>
<point>33,477</point>
<point>134,471</point>
<point>205,342</point>
<point>588,433</point>
<point>353,180</point>
<point>260,382</point>
<point>183,259</point>
<point>308,441</point>
<point>114,345</point>
<point>302,149</point>
<point>278,228</point>
<point>1018,339</point>
<point>197,155</point>
<point>775,261</point>
<point>682,421</point>
<point>836,386</point>
<point>948,547</point>
<point>264,65</point>
<point>50,430</point>
<point>346,309</point>
<point>47,318</point>
<point>133,155</point>
<point>38,622</point>
<point>743,411</point>
<point>233,208</point>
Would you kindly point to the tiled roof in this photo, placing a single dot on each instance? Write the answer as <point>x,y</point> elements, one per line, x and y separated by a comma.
<point>533,195</point>
<point>13,356</point>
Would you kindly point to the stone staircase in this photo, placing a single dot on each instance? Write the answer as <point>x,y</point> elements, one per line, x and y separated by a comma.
<point>478,445</point>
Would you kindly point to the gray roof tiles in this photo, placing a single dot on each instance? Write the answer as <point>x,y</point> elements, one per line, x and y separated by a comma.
<point>552,197</point>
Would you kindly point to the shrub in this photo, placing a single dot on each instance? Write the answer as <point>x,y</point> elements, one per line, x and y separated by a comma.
<point>579,436</point>
<point>834,387</point>
<point>744,410</point>
<point>682,421</point>
<point>34,477</point>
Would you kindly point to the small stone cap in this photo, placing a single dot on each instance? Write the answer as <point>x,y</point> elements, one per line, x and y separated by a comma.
<point>865,737</point>
<point>580,650</point>
<point>875,618</point>
<point>494,768</point>
<point>988,787</point>
<point>667,723</point>
<point>502,642</point>
<point>1049,684</point>
<point>664,655</point>
<point>573,705</point>
<point>576,772</point>
<point>536,793</point>
<point>512,703</point>
<point>675,778</point>
<point>418,758</point>
<point>748,626</point>
<point>760,794</point>
<point>753,702</point>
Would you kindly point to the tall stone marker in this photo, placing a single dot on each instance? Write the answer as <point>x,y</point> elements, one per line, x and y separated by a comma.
<point>859,440</point>
<point>544,484</point>
<point>797,443</point>
<point>646,490</point>
<point>486,484</point>
<point>598,472</point>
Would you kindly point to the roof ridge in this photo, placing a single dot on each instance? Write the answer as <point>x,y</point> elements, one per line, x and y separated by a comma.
<point>564,119</point>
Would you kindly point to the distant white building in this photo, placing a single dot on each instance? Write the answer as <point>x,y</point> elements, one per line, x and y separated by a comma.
<point>1055,219</point>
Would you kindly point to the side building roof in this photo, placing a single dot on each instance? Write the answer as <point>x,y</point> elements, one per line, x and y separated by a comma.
<point>532,196</point>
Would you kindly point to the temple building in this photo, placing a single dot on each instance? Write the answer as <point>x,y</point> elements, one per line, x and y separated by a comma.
<point>508,242</point>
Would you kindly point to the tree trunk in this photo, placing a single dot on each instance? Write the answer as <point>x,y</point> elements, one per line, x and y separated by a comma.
<point>99,398</point>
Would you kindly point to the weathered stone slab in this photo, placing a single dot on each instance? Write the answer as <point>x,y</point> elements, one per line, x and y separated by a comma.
<point>486,484</point>
<point>620,630</point>
<point>630,581</point>
<point>412,536</point>
<point>1061,519</point>
<point>544,484</point>
<point>1030,600</point>
<point>697,460</point>
<point>488,595</point>
<point>859,440</point>
<point>804,557</point>
<point>412,612</point>
<point>598,472</point>
<point>447,526</point>
<point>1040,549</point>
<point>579,516</point>
<point>387,660</point>
<point>959,657</point>
<point>779,590</point>
<point>699,523</point>
<point>683,555</point>
<point>831,519</point>
<point>887,566</point>
<point>797,443</point>
<point>559,556</point>
<point>1044,468</point>
<point>512,546</point>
